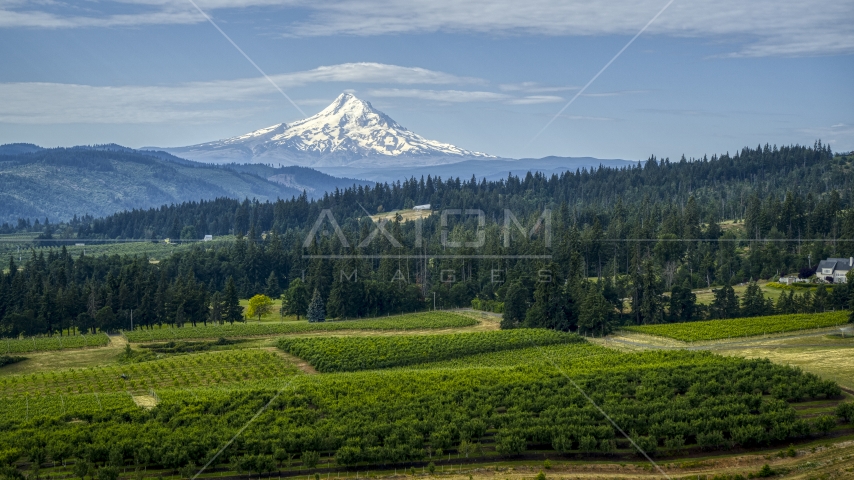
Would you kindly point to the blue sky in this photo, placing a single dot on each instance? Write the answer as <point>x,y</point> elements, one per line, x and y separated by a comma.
<point>706,77</point>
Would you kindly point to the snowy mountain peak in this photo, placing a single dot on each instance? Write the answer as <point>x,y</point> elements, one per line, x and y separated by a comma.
<point>347,124</point>
<point>348,102</point>
<point>347,132</point>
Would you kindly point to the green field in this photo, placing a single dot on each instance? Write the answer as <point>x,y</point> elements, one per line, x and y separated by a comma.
<point>705,296</point>
<point>56,342</point>
<point>195,370</point>
<point>66,406</point>
<point>412,321</point>
<point>479,397</point>
<point>671,402</point>
<point>742,327</point>
<point>568,358</point>
<point>348,354</point>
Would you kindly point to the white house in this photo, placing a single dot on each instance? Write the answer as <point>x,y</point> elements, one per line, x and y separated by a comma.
<point>421,207</point>
<point>833,270</point>
<point>208,238</point>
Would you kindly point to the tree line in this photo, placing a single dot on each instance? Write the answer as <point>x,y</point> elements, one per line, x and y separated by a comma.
<point>577,251</point>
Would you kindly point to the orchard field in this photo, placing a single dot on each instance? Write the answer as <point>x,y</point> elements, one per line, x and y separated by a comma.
<point>56,342</point>
<point>743,327</point>
<point>388,394</point>
<point>413,321</point>
<point>347,354</point>
<point>202,369</point>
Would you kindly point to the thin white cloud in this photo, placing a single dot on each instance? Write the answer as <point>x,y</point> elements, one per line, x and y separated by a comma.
<point>535,99</point>
<point>449,96</point>
<point>756,28</point>
<point>313,102</point>
<point>42,19</point>
<point>57,103</point>
<point>462,96</point>
<point>372,73</point>
<point>763,27</point>
<point>533,87</point>
<point>197,102</point>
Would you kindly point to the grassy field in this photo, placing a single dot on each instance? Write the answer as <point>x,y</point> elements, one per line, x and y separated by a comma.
<point>406,215</point>
<point>833,363</point>
<point>705,296</point>
<point>742,327</point>
<point>829,356</point>
<point>62,359</point>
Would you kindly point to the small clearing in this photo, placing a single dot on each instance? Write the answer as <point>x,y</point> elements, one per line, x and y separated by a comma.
<point>405,215</point>
<point>144,401</point>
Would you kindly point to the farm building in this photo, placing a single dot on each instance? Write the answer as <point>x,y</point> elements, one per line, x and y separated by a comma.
<point>834,270</point>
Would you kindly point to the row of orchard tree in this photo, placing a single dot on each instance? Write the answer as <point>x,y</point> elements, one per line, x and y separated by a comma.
<point>670,401</point>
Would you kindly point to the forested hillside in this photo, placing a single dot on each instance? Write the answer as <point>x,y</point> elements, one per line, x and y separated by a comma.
<point>648,234</point>
<point>786,193</point>
<point>60,183</point>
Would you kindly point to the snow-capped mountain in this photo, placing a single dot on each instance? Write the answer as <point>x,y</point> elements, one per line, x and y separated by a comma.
<point>349,132</point>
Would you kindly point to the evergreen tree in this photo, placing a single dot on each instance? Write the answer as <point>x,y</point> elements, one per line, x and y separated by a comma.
<point>347,294</point>
<point>647,302</point>
<point>848,232</point>
<point>273,290</point>
<point>515,306</point>
<point>820,300</point>
<point>683,304</point>
<point>596,315</point>
<point>215,314</point>
<point>296,299</point>
<point>232,310</point>
<point>105,319</point>
<point>786,302</point>
<point>316,311</point>
<point>551,306</point>
<point>754,304</point>
<point>725,303</point>
<point>804,302</point>
<point>850,278</point>
<point>336,304</point>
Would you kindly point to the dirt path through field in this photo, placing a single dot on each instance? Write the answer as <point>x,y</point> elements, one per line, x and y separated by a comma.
<point>296,361</point>
<point>819,460</point>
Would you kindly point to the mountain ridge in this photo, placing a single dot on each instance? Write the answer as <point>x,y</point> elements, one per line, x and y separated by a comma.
<point>59,183</point>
